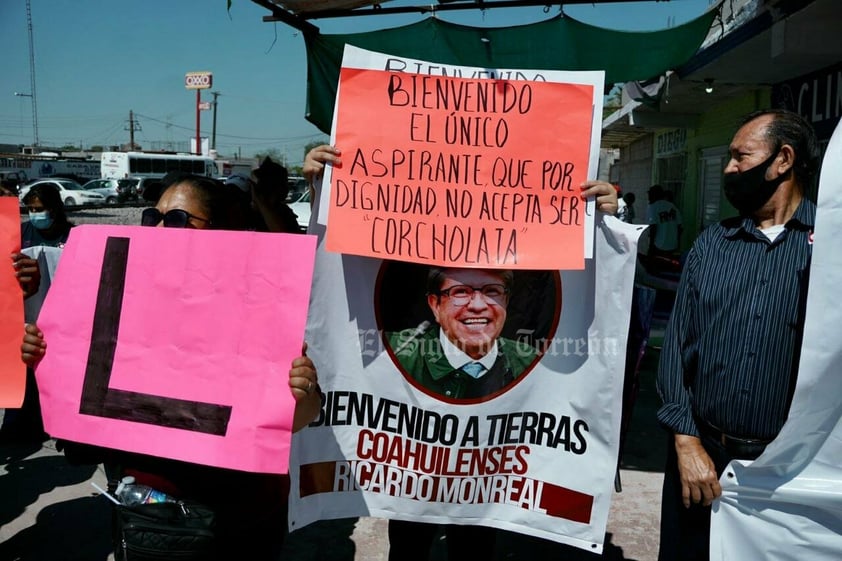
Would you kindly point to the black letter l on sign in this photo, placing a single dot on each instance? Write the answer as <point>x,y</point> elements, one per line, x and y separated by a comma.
<point>98,399</point>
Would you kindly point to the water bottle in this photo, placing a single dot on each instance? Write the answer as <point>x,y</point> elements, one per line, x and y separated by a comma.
<point>129,493</point>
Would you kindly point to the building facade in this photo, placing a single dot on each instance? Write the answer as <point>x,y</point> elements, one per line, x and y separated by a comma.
<point>772,53</point>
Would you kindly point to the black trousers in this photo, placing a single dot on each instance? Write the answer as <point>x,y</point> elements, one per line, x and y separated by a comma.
<point>413,541</point>
<point>685,532</point>
<point>25,424</point>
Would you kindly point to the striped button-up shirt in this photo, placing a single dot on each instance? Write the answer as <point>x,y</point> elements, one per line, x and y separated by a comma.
<point>732,345</point>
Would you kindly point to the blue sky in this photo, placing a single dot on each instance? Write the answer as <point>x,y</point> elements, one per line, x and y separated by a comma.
<point>97,59</point>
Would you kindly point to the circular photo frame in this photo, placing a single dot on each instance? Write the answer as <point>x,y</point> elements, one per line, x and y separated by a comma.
<point>465,335</point>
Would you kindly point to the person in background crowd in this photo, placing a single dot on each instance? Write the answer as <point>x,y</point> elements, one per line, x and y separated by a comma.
<point>730,355</point>
<point>8,188</point>
<point>42,236</point>
<point>621,204</point>
<point>626,212</point>
<point>664,221</point>
<point>262,198</point>
<point>250,508</point>
<point>269,189</point>
<point>241,191</point>
<point>48,224</point>
<point>240,187</point>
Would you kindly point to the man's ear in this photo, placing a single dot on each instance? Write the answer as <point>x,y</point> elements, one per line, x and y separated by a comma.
<point>433,302</point>
<point>785,160</point>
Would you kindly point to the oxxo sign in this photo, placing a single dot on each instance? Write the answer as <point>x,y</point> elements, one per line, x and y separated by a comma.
<point>198,80</point>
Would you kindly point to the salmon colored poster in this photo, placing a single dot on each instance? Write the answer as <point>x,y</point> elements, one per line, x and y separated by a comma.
<point>176,343</point>
<point>12,370</point>
<point>460,172</point>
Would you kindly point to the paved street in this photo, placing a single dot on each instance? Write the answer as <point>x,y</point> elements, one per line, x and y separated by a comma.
<point>50,512</point>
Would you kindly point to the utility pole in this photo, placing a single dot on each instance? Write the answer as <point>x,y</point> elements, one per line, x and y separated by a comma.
<point>168,127</point>
<point>32,73</point>
<point>213,134</point>
<point>133,126</point>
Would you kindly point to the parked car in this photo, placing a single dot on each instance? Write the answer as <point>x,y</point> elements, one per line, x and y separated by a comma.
<point>16,177</point>
<point>301,208</point>
<point>144,182</point>
<point>114,190</point>
<point>297,187</point>
<point>70,191</point>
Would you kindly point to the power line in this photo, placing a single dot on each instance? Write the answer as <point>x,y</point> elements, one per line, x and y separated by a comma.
<point>257,139</point>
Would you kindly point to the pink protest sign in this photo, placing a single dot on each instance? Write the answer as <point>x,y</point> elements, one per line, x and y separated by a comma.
<point>176,343</point>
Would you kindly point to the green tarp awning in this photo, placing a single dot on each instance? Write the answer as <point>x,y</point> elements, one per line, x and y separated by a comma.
<point>560,43</point>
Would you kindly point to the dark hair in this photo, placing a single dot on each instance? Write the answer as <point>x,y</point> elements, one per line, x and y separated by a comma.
<point>10,186</point>
<point>436,276</point>
<point>153,190</point>
<point>214,198</point>
<point>271,173</point>
<point>656,192</point>
<point>788,127</point>
<point>629,198</point>
<point>51,199</point>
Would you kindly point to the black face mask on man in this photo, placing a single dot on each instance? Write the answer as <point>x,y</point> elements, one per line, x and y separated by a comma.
<point>749,190</point>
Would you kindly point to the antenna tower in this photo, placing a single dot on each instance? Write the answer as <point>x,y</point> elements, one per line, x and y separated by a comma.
<point>32,72</point>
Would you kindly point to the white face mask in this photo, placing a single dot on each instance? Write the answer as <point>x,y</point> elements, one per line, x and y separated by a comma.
<point>41,220</point>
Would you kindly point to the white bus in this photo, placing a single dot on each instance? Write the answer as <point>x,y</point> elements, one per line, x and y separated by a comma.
<point>117,165</point>
<point>21,168</point>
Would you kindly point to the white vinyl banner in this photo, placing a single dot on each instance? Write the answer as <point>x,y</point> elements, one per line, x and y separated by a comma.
<point>404,434</point>
<point>787,504</point>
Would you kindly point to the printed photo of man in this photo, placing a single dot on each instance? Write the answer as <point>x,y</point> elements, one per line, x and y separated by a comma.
<point>464,356</point>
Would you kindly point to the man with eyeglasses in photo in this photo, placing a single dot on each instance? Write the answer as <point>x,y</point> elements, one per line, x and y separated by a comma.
<point>464,357</point>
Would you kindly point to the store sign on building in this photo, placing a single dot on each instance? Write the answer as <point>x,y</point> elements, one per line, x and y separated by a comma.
<point>670,142</point>
<point>817,97</point>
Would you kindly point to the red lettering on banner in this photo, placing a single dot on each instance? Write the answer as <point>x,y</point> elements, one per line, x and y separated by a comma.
<point>400,467</point>
<point>515,490</point>
<point>441,460</point>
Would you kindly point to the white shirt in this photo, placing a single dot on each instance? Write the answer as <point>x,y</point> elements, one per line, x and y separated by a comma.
<point>666,216</point>
<point>772,232</point>
<point>458,359</point>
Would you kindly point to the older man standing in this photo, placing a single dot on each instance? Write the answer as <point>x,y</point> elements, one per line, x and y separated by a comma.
<point>731,349</point>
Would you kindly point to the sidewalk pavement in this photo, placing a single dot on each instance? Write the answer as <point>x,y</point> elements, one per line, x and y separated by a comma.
<point>49,511</point>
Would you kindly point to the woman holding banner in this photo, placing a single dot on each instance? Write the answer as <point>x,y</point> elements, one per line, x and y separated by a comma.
<point>249,508</point>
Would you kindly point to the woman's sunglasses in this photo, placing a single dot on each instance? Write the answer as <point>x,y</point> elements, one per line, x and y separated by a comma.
<point>175,218</point>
